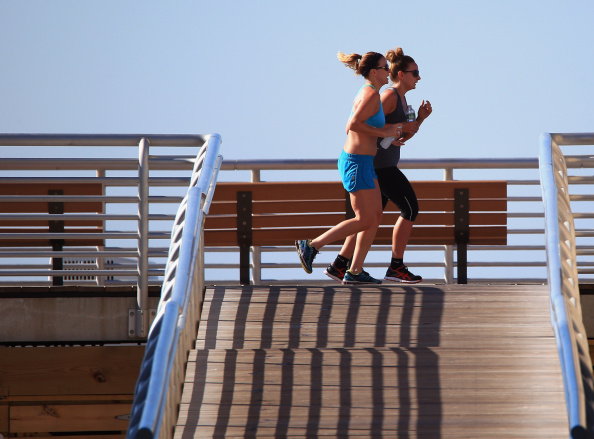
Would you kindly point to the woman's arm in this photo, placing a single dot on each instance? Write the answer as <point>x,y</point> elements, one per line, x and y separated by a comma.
<point>411,128</point>
<point>366,107</point>
<point>424,111</point>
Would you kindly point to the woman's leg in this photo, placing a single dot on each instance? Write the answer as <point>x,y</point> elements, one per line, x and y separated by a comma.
<point>396,187</point>
<point>365,238</point>
<point>365,205</point>
<point>400,236</point>
<point>359,179</point>
<point>348,248</point>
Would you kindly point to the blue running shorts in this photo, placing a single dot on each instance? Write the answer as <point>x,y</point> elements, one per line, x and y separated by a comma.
<point>357,171</point>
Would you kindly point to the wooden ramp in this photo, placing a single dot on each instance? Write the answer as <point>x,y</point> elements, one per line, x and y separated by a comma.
<point>429,361</point>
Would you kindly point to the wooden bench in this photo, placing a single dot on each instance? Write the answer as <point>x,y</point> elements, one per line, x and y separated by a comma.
<point>23,199</point>
<point>457,213</point>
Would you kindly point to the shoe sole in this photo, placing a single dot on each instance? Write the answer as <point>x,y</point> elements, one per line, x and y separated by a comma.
<point>354,282</point>
<point>395,279</point>
<point>307,270</point>
<point>331,276</point>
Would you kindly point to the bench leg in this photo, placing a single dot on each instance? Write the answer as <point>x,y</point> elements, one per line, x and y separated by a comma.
<point>244,265</point>
<point>462,257</point>
<point>57,263</point>
<point>55,207</point>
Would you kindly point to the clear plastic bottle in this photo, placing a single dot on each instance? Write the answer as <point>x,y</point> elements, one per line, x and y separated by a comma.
<point>410,114</point>
<point>387,141</point>
<point>410,117</point>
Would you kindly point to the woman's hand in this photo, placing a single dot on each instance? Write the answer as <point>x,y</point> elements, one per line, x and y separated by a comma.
<point>424,110</point>
<point>392,130</point>
<point>411,127</point>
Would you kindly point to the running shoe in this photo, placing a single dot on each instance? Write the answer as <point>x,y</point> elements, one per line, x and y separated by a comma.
<point>306,253</point>
<point>335,273</point>
<point>361,278</point>
<point>338,273</point>
<point>401,274</point>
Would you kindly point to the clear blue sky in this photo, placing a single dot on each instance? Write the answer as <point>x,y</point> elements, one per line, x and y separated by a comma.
<point>264,74</point>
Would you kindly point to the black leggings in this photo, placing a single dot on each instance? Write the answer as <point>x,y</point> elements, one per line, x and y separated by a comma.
<point>395,187</point>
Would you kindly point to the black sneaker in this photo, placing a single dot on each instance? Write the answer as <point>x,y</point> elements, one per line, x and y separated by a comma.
<point>401,274</point>
<point>306,254</point>
<point>361,278</point>
<point>335,273</point>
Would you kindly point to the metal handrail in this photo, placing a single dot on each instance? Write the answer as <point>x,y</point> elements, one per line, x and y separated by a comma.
<point>566,313</point>
<point>87,264</point>
<point>158,389</point>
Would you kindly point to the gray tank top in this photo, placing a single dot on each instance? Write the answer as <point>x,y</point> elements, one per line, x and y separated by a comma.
<point>387,158</point>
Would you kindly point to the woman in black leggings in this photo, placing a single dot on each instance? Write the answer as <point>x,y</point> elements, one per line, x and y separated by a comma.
<point>394,186</point>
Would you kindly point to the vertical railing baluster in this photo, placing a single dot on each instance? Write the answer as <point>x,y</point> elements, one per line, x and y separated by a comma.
<point>143,231</point>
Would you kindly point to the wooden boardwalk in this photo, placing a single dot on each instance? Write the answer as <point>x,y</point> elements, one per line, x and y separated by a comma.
<point>428,361</point>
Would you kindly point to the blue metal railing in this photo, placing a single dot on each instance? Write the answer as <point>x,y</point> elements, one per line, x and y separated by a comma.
<point>566,313</point>
<point>159,385</point>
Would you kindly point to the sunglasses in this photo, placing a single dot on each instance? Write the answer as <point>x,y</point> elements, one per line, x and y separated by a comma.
<point>386,68</point>
<point>415,73</point>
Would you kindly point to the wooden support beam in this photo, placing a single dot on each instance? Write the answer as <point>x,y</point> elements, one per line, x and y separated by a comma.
<point>244,234</point>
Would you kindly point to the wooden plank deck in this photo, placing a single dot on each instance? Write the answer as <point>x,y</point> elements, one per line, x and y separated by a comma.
<point>430,361</point>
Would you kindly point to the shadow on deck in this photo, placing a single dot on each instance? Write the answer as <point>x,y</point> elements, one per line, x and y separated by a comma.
<point>391,361</point>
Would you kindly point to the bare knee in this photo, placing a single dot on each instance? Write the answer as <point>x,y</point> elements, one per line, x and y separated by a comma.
<point>368,221</point>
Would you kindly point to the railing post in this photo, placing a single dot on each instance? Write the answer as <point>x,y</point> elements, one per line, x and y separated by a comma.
<point>448,175</point>
<point>141,317</point>
<point>448,251</point>
<point>101,260</point>
<point>256,250</point>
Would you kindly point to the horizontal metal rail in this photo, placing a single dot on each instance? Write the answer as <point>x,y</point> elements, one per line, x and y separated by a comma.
<point>168,140</point>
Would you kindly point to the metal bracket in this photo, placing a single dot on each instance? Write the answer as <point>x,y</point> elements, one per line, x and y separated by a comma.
<point>123,417</point>
<point>136,322</point>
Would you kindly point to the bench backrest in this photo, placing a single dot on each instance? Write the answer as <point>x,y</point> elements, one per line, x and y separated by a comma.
<point>23,198</point>
<point>278,213</point>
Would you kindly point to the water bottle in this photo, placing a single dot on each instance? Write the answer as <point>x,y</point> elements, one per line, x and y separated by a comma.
<point>410,117</point>
<point>410,114</point>
<point>387,141</point>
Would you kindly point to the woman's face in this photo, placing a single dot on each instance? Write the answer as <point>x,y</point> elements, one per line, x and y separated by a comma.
<point>411,76</point>
<point>382,71</point>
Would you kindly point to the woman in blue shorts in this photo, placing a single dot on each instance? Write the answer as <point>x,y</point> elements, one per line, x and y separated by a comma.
<point>365,125</point>
<point>394,186</point>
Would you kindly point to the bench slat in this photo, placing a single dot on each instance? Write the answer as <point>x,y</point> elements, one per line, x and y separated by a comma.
<point>69,242</point>
<point>262,191</point>
<point>44,188</point>
<point>43,223</point>
<point>338,206</point>
<point>443,189</point>
<point>420,236</point>
<point>281,190</point>
<point>329,220</point>
<point>24,189</point>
